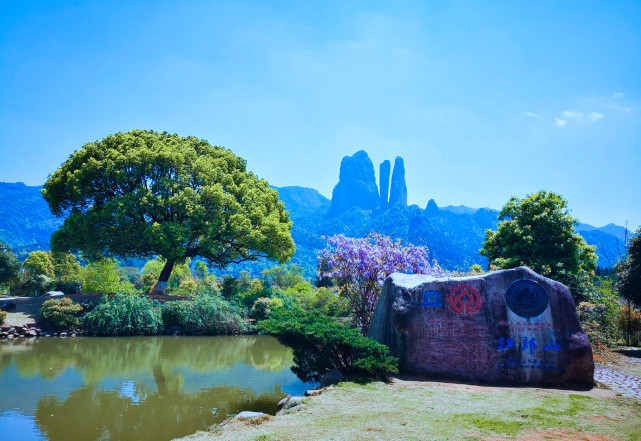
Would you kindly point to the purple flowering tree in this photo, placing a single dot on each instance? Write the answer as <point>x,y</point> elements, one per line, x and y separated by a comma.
<point>360,266</point>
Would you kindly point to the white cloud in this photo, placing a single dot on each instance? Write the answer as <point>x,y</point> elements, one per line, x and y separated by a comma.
<point>559,122</point>
<point>617,95</point>
<point>624,109</point>
<point>594,116</point>
<point>570,114</point>
<point>531,114</point>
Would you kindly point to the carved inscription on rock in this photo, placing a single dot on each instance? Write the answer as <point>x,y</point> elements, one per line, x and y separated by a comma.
<point>510,326</point>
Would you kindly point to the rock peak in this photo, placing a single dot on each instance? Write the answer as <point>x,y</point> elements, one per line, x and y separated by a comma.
<point>398,189</point>
<point>383,175</point>
<point>356,185</point>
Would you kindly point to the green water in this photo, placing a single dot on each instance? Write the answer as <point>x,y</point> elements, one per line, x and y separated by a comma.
<point>136,388</point>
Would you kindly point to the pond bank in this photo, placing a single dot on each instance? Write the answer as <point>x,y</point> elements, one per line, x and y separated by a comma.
<point>419,410</point>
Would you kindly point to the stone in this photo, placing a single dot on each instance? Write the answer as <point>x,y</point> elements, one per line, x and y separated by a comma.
<point>383,177</point>
<point>398,189</point>
<point>356,185</point>
<point>7,306</point>
<point>290,401</point>
<point>246,414</point>
<point>506,327</point>
<point>54,294</point>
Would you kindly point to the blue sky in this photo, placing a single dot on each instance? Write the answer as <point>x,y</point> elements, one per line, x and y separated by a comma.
<point>484,100</point>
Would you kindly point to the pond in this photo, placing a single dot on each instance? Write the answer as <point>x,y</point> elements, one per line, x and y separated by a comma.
<point>137,388</point>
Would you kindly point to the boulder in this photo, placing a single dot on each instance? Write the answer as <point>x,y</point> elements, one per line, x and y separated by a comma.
<point>247,414</point>
<point>506,327</point>
<point>398,189</point>
<point>356,185</point>
<point>383,177</point>
<point>7,306</point>
<point>54,294</point>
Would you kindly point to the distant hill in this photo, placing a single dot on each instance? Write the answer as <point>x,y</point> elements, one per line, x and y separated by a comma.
<point>454,234</point>
<point>25,220</point>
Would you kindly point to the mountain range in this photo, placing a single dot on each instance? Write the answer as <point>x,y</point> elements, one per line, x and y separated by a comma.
<point>453,234</point>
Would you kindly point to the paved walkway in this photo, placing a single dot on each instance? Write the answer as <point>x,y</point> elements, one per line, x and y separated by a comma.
<point>626,384</point>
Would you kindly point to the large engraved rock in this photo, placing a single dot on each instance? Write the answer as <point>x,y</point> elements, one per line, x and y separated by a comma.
<point>507,327</point>
<point>356,185</point>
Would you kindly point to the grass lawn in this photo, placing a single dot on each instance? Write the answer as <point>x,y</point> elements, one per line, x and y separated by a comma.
<point>422,410</point>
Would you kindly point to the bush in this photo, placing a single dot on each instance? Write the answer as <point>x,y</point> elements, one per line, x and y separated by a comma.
<point>600,312</point>
<point>125,314</point>
<point>105,276</point>
<point>61,313</point>
<point>320,344</point>
<point>261,308</point>
<point>204,314</point>
<point>3,317</point>
<point>629,325</point>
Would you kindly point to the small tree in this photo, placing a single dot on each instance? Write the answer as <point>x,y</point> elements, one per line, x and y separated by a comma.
<point>359,268</point>
<point>629,277</point>
<point>144,194</point>
<point>9,265</point>
<point>538,232</point>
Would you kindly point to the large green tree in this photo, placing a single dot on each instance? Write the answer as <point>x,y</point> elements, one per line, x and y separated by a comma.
<point>145,193</point>
<point>538,232</point>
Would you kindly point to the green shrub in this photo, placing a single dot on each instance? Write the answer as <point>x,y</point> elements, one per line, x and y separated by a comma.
<point>61,313</point>
<point>320,344</point>
<point>204,314</point>
<point>3,317</point>
<point>125,314</point>
<point>601,312</point>
<point>261,308</point>
<point>105,276</point>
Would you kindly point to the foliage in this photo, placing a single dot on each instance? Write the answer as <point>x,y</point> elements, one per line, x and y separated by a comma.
<point>261,308</point>
<point>105,276</point>
<point>37,275</point>
<point>9,265</point>
<point>3,317</point>
<point>181,275</point>
<point>125,314</point>
<point>359,268</point>
<point>68,272</point>
<point>629,271</point>
<point>39,262</point>
<point>600,313</point>
<point>286,276</point>
<point>144,193</point>
<point>61,313</point>
<point>320,344</point>
<point>204,314</point>
<point>538,232</point>
<point>629,324</point>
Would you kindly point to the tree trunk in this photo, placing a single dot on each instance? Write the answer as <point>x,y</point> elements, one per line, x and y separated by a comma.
<point>629,321</point>
<point>160,287</point>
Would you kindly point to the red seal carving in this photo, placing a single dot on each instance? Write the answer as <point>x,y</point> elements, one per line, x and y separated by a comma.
<point>464,299</point>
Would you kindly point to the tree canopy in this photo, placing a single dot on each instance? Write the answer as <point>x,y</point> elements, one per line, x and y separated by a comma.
<point>538,232</point>
<point>145,193</point>
<point>9,265</point>
<point>629,271</point>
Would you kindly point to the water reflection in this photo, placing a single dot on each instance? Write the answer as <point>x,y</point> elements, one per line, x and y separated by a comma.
<point>138,388</point>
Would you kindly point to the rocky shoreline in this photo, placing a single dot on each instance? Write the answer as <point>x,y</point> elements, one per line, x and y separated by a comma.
<point>33,331</point>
